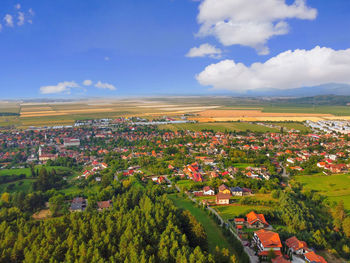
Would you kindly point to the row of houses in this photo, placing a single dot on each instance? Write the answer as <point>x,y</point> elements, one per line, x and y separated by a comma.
<point>266,241</point>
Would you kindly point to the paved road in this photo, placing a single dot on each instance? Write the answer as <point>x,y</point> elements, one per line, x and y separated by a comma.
<point>250,252</point>
<point>284,171</point>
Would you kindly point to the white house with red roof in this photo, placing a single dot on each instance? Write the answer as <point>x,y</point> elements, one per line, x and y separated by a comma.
<point>267,241</point>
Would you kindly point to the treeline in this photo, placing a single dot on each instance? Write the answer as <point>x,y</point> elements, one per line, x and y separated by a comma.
<point>141,227</point>
<point>9,114</point>
<point>307,215</point>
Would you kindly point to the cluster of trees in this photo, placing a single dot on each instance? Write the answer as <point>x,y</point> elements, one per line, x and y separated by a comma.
<point>307,215</point>
<point>142,226</point>
<point>48,180</point>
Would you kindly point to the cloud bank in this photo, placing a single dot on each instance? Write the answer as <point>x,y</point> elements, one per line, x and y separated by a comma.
<point>102,85</point>
<point>249,22</point>
<point>288,70</point>
<point>62,87</point>
<point>204,50</point>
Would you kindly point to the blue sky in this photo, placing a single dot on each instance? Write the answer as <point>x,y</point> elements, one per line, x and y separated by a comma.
<point>137,47</point>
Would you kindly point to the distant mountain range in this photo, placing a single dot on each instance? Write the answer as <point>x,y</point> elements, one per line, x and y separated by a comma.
<point>335,89</point>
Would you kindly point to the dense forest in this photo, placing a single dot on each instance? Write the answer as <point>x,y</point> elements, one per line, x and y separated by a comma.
<point>142,226</point>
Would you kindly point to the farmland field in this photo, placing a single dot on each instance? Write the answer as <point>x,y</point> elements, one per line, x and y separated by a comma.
<point>218,127</point>
<point>203,109</point>
<point>214,233</point>
<point>335,187</point>
<point>293,125</point>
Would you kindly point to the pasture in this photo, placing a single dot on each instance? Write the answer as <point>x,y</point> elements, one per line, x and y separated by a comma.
<point>335,187</point>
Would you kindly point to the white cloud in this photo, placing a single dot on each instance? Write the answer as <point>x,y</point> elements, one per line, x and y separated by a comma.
<point>87,82</point>
<point>107,58</point>
<point>62,87</point>
<point>204,50</point>
<point>8,20</point>
<point>18,6</point>
<point>249,22</point>
<point>102,85</point>
<point>20,19</point>
<point>288,70</point>
<point>0,27</point>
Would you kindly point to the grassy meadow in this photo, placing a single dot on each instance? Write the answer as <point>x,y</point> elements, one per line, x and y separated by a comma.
<point>218,127</point>
<point>335,187</point>
<point>214,233</point>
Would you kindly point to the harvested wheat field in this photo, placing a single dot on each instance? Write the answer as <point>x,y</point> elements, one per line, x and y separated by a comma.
<point>254,113</point>
<point>257,115</point>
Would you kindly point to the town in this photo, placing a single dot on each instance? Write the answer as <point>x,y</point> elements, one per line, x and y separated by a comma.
<point>241,177</point>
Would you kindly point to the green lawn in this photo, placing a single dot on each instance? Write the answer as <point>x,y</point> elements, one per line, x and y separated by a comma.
<point>18,171</point>
<point>23,185</point>
<point>243,165</point>
<point>214,233</point>
<point>218,127</point>
<point>185,183</point>
<point>232,211</point>
<point>335,187</point>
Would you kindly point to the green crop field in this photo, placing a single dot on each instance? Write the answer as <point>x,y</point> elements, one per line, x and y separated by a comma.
<point>335,110</point>
<point>232,211</point>
<point>218,127</point>
<point>214,233</point>
<point>335,187</point>
<point>293,125</point>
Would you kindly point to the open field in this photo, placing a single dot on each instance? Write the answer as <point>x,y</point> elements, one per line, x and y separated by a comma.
<point>293,125</point>
<point>335,187</point>
<point>42,214</point>
<point>214,233</point>
<point>218,127</point>
<point>204,109</point>
<point>232,211</point>
<point>23,185</point>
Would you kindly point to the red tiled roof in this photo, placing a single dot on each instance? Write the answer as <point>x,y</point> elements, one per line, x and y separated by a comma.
<point>280,259</point>
<point>104,204</point>
<point>295,243</point>
<point>266,253</point>
<point>313,257</point>
<point>253,217</point>
<point>269,239</point>
<point>239,220</point>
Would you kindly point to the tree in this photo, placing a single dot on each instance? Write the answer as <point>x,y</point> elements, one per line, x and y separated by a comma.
<point>346,226</point>
<point>5,197</point>
<point>57,205</point>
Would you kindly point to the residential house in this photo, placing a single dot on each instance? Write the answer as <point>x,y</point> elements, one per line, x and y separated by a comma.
<point>207,190</point>
<point>266,241</point>
<point>104,205</point>
<point>78,204</point>
<point>296,246</point>
<point>239,221</point>
<point>224,189</point>
<point>236,191</point>
<point>223,199</point>
<point>255,220</point>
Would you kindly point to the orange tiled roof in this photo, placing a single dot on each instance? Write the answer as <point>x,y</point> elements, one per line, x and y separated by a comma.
<point>253,217</point>
<point>295,243</point>
<point>269,239</point>
<point>280,259</point>
<point>313,257</point>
